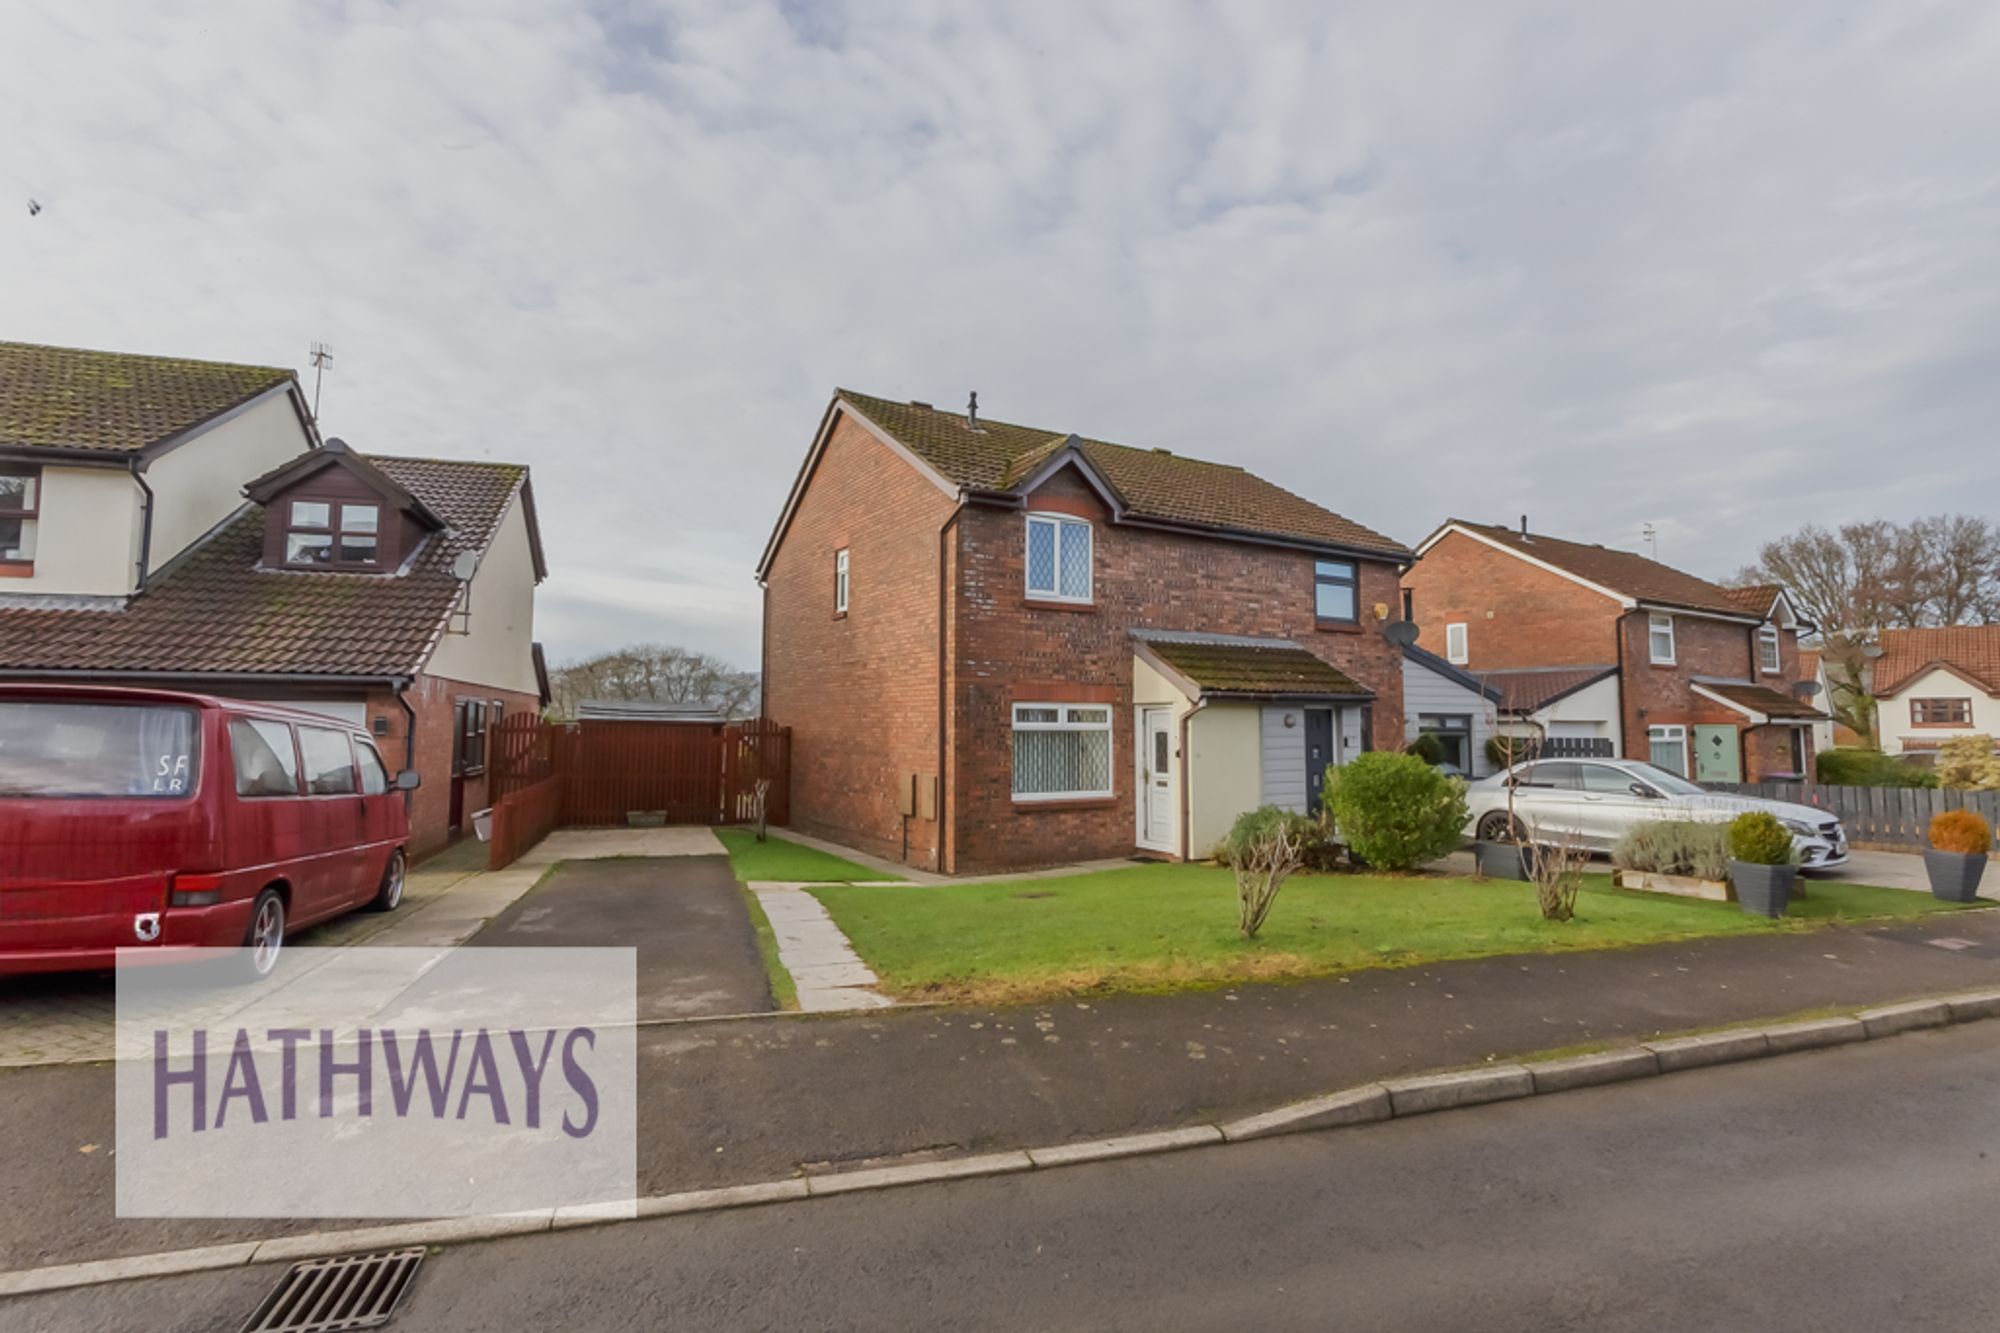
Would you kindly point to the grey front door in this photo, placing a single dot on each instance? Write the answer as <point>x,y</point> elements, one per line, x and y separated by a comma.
<point>1319,753</point>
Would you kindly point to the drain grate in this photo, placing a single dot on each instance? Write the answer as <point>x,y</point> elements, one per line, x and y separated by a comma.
<point>336,1295</point>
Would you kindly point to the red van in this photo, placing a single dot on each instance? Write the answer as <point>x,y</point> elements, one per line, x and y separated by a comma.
<point>152,819</point>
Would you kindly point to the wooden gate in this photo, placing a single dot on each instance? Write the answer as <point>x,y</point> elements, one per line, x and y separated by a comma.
<point>614,771</point>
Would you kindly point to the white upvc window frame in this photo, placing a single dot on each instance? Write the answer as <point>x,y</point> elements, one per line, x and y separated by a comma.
<point>840,581</point>
<point>1770,651</point>
<point>1066,721</point>
<point>1065,528</point>
<point>1457,643</point>
<point>1658,623</point>
<point>1673,733</point>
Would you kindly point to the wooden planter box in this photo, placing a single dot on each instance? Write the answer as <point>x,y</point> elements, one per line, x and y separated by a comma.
<point>1683,886</point>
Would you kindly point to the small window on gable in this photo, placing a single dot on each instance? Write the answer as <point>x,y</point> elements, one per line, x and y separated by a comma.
<point>1660,639</point>
<point>1058,558</point>
<point>1455,647</point>
<point>1768,660</point>
<point>332,534</point>
<point>840,582</point>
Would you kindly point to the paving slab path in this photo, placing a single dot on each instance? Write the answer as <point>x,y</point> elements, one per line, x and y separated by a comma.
<point>742,1100</point>
<point>830,976</point>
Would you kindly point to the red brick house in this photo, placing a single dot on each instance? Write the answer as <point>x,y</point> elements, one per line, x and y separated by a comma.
<point>179,523</point>
<point>1705,676</point>
<point>1001,646</point>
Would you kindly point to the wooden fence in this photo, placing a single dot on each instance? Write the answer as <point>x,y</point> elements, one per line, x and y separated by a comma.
<point>522,818</point>
<point>613,771</point>
<point>1891,816</point>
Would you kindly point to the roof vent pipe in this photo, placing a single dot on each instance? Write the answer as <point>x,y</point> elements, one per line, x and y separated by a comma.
<point>972,410</point>
<point>1524,527</point>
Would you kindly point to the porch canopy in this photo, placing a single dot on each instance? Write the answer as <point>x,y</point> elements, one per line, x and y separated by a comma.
<point>1761,704</point>
<point>1233,666</point>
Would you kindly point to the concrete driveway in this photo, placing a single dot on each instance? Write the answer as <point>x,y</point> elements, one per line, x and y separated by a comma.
<point>685,915</point>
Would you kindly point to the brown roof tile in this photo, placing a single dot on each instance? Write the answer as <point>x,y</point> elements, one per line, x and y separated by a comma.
<point>1151,483</point>
<point>1525,689</point>
<point>1754,600</point>
<point>212,610</point>
<point>1275,668</point>
<point>114,402</point>
<point>1906,653</point>
<point>1624,572</point>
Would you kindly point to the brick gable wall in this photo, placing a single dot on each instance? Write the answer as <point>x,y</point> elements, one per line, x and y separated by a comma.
<point>860,691</point>
<point>1005,650</point>
<point>1515,614</point>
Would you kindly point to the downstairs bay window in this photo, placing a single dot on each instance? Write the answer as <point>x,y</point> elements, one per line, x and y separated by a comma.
<point>1062,752</point>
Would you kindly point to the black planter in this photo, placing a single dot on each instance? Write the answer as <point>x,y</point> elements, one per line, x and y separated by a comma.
<point>1500,860</point>
<point>1762,890</point>
<point>1954,875</point>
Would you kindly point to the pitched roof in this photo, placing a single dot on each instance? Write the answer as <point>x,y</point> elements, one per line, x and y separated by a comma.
<point>1624,572</point>
<point>1432,662</point>
<point>1763,699</point>
<point>1526,689</point>
<point>211,610</point>
<point>1149,483</point>
<point>1756,599</point>
<point>1906,653</point>
<point>1231,665</point>
<point>114,403</point>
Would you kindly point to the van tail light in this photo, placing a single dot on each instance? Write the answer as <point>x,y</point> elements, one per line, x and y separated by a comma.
<point>195,891</point>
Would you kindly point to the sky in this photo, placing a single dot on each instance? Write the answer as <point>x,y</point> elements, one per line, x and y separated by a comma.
<point>1722,268</point>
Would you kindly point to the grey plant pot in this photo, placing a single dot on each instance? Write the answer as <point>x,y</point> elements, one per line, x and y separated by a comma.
<point>1500,860</point>
<point>1762,890</point>
<point>1954,876</point>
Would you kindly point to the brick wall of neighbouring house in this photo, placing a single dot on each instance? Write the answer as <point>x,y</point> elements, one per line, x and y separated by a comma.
<point>1664,695</point>
<point>859,692</point>
<point>1005,651</point>
<point>432,697</point>
<point>1516,614</point>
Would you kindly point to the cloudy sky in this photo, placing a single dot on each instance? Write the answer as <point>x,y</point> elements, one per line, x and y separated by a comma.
<point>1722,267</point>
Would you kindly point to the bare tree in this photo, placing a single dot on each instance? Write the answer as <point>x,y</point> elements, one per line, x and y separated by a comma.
<point>655,673</point>
<point>1557,868</point>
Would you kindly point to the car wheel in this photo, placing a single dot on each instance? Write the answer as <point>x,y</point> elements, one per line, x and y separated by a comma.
<point>265,938</point>
<point>390,896</point>
<point>1499,827</point>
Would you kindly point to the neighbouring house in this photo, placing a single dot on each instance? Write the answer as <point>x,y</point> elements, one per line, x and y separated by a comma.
<point>1462,712</point>
<point>1930,685</point>
<point>1563,712</point>
<point>1667,667</point>
<point>180,523</point>
<point>1003,646</point>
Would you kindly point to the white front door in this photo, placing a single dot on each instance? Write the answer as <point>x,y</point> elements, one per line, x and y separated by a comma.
<point>1156,779</point>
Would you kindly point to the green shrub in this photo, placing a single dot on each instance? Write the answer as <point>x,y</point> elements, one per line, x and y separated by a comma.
<point>1395,811</point>
<point>1969,762</point>
<point>1852,766</point>
<point>1757,838</point>
<point>1507,751</point>
<point>1264,846</point>
<point>1675,847</point>
<point>1427,748</point>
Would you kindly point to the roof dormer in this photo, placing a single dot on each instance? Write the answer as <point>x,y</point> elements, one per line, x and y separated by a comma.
<point>331,510</point>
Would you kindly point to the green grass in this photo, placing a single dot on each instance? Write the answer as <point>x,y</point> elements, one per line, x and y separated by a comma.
<point>783,988</point>
<point>1170,927</point>
<point>775,859</point>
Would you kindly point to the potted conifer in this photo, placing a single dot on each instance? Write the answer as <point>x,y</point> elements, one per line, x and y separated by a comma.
<point>1762,864</point>
<point>1956,858</point>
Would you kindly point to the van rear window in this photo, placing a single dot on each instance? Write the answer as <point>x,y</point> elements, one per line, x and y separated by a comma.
<point>57,748</point>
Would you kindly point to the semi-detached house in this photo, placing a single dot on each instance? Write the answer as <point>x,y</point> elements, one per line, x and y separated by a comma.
<point>998,645</point>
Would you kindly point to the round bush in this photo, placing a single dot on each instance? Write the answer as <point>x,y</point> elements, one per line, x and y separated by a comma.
<point>1396,811</point>
<point>1757,838</point>
<point>1428,748</point>
<point>1962,831</point>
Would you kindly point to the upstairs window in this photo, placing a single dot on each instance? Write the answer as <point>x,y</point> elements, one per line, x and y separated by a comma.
<point>332,534</point>
<point>1941,712</point>
<point>840,582</point>
<point>1660,639</point>
<point>1455,651</point>
<point>1058,558</point>
<point>20,503</point>
<point>1768,660</point>
<point>1336,600</point>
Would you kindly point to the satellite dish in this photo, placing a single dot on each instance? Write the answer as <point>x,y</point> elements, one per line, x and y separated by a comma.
<point>465,566</point>
<point>1805,689</point>
<point>1402,633</point>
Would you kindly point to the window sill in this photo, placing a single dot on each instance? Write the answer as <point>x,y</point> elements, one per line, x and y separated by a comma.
<point>1337,626</point>
<point>1022,807</point>
<point>840,615</point>
<point>1663,666</point>
<point>1043,604</point>
<point>17,569</point>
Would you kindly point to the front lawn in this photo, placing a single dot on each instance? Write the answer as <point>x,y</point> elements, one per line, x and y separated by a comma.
<point>779,861</point>
<point>1170,926</point>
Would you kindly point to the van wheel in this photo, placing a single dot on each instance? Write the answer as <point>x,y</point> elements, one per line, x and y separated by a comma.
<point>390,895</point>
<point>265,938</point>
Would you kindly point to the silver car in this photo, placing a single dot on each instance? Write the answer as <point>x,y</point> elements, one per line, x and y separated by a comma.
<point>1599,799</point>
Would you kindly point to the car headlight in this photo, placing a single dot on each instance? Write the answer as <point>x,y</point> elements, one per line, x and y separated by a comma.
<point>1801,827</point>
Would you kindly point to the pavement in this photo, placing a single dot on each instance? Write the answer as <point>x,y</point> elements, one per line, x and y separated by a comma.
<point>733,1101</point>
<point>686,918</point>
<point>1854,1188</point>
